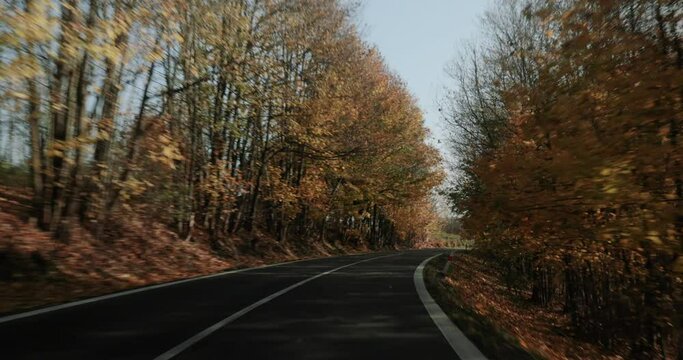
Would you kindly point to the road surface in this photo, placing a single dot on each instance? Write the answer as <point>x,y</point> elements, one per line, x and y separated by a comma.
<point>348,307</point>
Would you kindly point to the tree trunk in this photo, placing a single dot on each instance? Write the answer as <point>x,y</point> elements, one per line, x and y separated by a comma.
<point>36,152</point>
<point>137,134</point>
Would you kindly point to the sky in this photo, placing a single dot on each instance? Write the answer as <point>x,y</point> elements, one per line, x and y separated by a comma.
<point>417,39</point>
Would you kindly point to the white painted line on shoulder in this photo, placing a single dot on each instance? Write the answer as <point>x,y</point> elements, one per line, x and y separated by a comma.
<point>458,341</point>
<point>213,328</point>
<point>22,315</point>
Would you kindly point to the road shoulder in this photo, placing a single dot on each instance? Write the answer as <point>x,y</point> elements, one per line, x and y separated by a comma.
<point>462,346</point>
<point>493,343</point>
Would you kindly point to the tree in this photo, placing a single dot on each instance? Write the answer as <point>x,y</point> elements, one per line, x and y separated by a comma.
<point>569,176</point>
<point>221,117</point>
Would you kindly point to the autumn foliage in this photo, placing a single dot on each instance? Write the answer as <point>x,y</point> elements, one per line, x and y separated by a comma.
<point>567,127</point>
<point>215,116</point>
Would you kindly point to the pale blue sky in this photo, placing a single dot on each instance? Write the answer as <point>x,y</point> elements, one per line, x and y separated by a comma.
<point>418,38</point>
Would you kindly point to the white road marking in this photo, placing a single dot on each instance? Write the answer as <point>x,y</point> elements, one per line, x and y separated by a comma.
<point>23,315</point>
<point>458,341</point>
<point>213,328</point>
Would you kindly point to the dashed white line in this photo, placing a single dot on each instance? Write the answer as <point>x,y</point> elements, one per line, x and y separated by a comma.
<point>213,328</point>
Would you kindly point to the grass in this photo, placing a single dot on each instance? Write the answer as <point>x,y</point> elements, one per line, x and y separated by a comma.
<point>454,240</point>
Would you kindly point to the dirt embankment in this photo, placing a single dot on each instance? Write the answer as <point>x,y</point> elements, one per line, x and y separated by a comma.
<point>37,270</point>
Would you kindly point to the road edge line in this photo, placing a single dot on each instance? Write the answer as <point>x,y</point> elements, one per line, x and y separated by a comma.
<point>70,304</point>
<point>462,346</point>
<point>176,350</point>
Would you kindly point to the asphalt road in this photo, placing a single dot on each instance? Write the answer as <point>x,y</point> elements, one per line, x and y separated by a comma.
<point>349,307</point>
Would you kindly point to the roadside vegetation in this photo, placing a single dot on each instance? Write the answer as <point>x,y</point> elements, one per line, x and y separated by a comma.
<point>486,333</point>
<point>145,140</point>
<point>565,125</point>
<point>504,323</point>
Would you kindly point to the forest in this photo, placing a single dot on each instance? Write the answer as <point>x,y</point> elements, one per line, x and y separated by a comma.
<point>214,117</point>
<point>565,126</point>
<point>229,124</point>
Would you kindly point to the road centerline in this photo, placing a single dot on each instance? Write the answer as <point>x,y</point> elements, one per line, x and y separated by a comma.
<point>215,327</point>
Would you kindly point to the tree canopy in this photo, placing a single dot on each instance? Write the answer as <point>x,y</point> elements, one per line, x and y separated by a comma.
<point>219,116</point>
<point>566,125</point>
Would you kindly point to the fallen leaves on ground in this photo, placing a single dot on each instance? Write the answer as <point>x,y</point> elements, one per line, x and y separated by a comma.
<point>37,270</point>
<point>538,330</point>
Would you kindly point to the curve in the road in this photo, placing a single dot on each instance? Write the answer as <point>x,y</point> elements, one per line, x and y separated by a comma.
<point>367,308</point>
<point>462,346</point>
<point>213,328</point>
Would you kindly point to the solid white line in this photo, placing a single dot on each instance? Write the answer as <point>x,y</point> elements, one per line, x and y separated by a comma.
<point>23,315</point>
<point>458,341</point>
<point>213,328</point>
